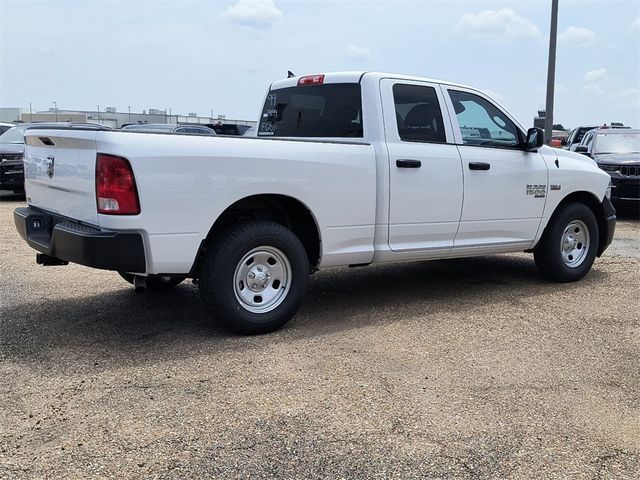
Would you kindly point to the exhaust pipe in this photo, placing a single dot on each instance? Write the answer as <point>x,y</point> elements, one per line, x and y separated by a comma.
<point>139,284</point>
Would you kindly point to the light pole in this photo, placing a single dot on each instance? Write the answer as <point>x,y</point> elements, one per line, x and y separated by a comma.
<point>30,114</point>
<point>129,113</point>
<point>551,73</point>
<point>55,105</point>
<point>98,112</point>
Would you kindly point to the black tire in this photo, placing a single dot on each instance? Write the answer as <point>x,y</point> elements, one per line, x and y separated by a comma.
<point>224,257</point>
<point>155,283</point>
<point>548,253</point>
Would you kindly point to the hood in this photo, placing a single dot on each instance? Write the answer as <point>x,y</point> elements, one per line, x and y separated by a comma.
<point>618,159</point>
<point>560,153</point>
<point>11,148</point>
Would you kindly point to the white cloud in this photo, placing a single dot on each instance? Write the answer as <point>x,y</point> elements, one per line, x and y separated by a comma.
<point>635,25</point>
<point>598,75</point>
<point>254,13</point>
<point>359,53</point>
<point>579,35</point>
<point>499,23</point>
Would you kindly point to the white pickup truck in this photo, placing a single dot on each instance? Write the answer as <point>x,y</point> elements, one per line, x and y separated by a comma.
<point>347,168</point>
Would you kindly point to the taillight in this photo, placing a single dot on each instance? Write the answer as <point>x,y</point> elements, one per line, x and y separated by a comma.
<point>311,80</point>
<point>116,192</point>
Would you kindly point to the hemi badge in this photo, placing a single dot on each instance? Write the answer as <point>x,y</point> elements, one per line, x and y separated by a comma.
<point>555,187</point>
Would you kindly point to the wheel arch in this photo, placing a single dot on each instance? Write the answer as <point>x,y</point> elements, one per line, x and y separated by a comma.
<point>283,209</point>
<point>595,205</point>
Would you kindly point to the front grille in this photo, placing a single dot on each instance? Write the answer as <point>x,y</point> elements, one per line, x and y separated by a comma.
<point>624,170</point>
<point>8,157</point>
<point>630,170</point>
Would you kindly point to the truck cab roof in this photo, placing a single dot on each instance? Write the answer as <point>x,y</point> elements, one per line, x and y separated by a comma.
<point>356,77</point>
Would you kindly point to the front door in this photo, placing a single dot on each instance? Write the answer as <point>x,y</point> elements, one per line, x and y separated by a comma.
<point>505,186</point>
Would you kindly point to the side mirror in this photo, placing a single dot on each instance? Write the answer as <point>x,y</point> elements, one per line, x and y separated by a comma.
<point>563,142</point>
<point>582,149</point>
<point>535,138</point>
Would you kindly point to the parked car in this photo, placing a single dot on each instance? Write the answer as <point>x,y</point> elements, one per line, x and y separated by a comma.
<point>170,128</point>
<point>576,136</point>
<point>617,152</point>
<point>351,168</point>
<point>229,128</point>
<point>12,151</point>
<point>5,126</point>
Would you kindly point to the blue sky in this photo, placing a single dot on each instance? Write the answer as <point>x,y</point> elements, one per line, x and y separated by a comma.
<point>202,55</point>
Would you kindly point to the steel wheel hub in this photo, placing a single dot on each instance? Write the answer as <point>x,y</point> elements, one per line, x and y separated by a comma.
<point>258,278</point>
<point>574,244</point>
<point>262,279</point>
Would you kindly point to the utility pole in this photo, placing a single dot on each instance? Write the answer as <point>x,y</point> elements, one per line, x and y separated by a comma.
<point>129,113</point>
<point>98,112</point>
<point>30,114</point>
<point>55,105</point>
<point>551,73</point>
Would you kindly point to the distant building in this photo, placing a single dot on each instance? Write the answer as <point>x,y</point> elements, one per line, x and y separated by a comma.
<point>538,122</point>
<point>558,129</point>
<point>112,118</point>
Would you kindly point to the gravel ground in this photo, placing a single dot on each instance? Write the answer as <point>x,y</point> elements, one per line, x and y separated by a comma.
<point>473,369</point>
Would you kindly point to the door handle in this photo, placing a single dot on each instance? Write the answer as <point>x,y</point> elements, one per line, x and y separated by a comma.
<point>479,166</point>
<point>404,163</point>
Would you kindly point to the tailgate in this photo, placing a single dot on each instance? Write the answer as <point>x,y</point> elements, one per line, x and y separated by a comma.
<point>59,171</point>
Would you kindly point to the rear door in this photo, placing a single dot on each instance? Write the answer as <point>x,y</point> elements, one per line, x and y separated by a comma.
<point>505,186</point>
<point>60,172</point>
<point>425,171</point>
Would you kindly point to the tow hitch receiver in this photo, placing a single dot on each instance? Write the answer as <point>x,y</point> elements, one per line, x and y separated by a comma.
<point>48,260</point>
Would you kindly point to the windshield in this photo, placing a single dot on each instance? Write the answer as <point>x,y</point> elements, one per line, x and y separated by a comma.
<point>329,110</point>
<point>13,135</point>
<point>618,142</point>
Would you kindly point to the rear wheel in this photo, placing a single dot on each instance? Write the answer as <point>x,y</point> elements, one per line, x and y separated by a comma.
<point>253,276</point>
<point>155,283</point>
<point>569,244</point>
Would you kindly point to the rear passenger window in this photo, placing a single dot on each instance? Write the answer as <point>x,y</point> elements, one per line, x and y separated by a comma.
<point>481,123</point>
<point>418,114</point>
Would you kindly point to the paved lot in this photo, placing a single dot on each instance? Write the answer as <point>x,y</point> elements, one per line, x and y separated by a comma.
<point>454,369</point>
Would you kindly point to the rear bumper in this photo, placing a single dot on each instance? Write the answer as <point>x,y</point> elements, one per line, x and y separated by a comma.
<point>610,222</point>
<point>74,242</point>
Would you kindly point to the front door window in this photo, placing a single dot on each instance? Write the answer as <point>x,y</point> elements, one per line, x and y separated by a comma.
<point>481,123</point>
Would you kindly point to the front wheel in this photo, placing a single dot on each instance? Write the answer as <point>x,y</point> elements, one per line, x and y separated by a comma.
<point>253,276</point>
<point>569,244</point>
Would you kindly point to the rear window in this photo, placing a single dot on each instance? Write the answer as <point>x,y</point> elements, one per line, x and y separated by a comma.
<point>328,110</point>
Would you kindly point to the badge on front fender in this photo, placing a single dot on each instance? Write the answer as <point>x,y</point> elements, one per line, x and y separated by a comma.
<point>537,191</point>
